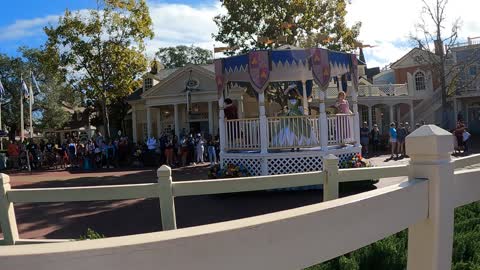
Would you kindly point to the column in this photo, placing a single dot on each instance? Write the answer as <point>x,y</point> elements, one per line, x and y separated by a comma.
<point>221,127</point>
<point>356,121</point>
<point>412,117</point>
<point>177,119</point>
<point>263,124</point>
<point>430,241</point>
<point>391,113</point>
<point>240,108</point>
<point>134,124</point>
<point>305,98</point>
<point>210,118</point>
<point>149,122</point>
<point>455,110</point>
<point>399,117</point>
<point>159,122</point>
<point>322,121</point>
<point>370,118</point>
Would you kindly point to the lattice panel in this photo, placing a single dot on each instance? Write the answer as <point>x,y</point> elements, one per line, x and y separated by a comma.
<point>253,165</point>
<point>345,157</point>
<point>294,165</point>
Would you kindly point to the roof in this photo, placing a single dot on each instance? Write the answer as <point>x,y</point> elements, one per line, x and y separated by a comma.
<point>411,52</point>
<point>136,95</point>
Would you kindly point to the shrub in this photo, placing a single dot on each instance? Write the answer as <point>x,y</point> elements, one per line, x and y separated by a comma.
<point>91,234</point>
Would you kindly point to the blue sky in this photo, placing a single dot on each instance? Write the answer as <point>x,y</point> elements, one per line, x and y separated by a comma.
<point>386,24</point>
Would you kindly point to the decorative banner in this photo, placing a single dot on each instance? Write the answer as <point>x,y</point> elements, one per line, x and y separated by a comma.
<point>219,76</point>
<point>354,72</point>
<point>321,68</point>
<point>259,69</point>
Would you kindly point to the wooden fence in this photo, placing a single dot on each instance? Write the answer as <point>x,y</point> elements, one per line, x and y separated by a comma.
<point>291,239</point>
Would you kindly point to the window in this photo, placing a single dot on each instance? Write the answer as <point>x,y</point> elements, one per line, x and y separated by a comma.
<point>420,81</point>
<point>148,84</point>
<point>472,71</point>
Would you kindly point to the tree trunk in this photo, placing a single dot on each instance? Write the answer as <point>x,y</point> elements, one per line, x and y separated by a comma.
<point>105,118</point>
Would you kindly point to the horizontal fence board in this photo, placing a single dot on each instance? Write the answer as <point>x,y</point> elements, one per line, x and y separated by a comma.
<point>467,161</point>
<point>358,174</point>
<point>466,187</point>
<point>79,194</point>
<point>41,241</point>
<point>218,186</point>
<point>291,239</point>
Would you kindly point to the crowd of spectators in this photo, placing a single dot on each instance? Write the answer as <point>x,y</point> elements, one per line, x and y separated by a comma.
<point>101,152</point>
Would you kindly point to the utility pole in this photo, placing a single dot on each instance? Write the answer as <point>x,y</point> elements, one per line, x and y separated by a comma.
<point>30,106</point>
<point>22,131</point>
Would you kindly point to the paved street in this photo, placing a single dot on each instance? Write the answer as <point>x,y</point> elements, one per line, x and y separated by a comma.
<point>70,220</point>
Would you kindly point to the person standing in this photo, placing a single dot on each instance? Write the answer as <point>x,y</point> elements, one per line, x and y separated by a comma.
<point>393,140</point>
<point>200,148</point>
<point>458,132</point>
<point>401,135</point>
<point>364,138</point>
<point>212,155</point>
<point>231,112</point>
<point>375,135</point>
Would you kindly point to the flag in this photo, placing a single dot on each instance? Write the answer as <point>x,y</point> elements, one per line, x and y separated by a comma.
<point>26,92</point>
<point>35,83</point>
<point>2,90</point>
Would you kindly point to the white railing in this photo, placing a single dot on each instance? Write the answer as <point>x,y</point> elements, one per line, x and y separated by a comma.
<point>341,129</point>
<point>380,90</point>
<point>291,239</point>
<point>242,134</point>
<point>293,132</point>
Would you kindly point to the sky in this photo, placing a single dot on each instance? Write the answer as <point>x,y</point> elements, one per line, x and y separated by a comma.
<point>386,24</point>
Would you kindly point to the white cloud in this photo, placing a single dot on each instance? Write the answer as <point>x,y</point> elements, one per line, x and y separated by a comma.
<point>388,23</point>
<point>180,24</point>
<point>26,28</point>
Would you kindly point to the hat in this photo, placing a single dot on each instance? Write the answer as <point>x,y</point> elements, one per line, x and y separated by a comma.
<point>375,125</point>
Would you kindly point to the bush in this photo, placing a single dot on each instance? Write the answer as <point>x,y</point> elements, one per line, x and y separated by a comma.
<point>91,234</point>
<point>391,252</point>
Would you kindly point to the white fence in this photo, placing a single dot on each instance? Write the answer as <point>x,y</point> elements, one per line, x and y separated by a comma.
<point>243,134</point>
<point>340,129</point>
<point>293,131</point>
<point>285,132</point>
<point>291,239</point>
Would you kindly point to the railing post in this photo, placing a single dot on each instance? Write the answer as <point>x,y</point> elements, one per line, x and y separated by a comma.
<point>430,242</point>
<point>263,124</point>
<point>167,203</point>
<point>7,213</point>
<point>221,127</point>
<point>330,187</point>
<point>322,122</point>
<point>356,118</point>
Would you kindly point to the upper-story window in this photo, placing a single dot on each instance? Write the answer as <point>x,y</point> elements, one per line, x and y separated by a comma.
<point>420,81</point>
<point>148,83</point>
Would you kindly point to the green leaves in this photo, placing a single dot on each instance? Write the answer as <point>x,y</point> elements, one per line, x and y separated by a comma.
<point>103,49</point>
<point>179,56</point>
<point>307,23</point>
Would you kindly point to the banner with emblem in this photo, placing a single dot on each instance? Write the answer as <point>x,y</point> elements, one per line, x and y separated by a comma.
<point>354,71</point>
<point>321,68</point>
<point>259,69</point>
<point>219,76</point>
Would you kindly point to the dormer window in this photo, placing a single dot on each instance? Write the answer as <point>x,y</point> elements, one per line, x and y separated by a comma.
<point>420,81</point>
<point>148,83</point>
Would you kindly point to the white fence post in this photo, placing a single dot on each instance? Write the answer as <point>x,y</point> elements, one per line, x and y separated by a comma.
<point>167,203</point>
<point>7,213</point>
<point>430,242</point>
<point>323,122</point>
<point>263,124</point>
<point>330,187</point>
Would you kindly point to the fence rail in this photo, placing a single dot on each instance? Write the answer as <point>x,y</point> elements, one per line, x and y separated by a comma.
<point>291,239</point>
<point>340,129</point>
<point>243,134</point>
<point>293,132</point>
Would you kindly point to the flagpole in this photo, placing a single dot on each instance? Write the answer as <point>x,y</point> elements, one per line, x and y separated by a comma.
<point>22,131</point>
<point>30,106</point>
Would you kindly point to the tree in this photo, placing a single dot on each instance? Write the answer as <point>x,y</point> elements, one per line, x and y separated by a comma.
<point>269,24</point>
<point>431,35</point>
<point>179,56</point>
<point>103,49</point>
